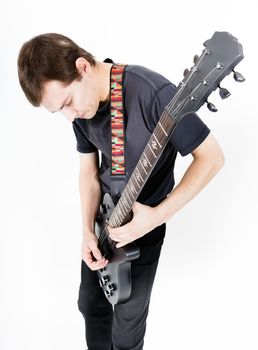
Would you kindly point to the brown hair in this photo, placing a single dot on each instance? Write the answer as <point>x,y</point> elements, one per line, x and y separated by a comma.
<point>48,57</point>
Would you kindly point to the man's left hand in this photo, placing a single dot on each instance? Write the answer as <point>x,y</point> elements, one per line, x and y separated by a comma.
<point>144,220</point>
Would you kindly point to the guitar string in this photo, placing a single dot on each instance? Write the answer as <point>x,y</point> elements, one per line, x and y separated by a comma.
<point>104,235</point>
<point>158,134</point>
<point>166,117</point>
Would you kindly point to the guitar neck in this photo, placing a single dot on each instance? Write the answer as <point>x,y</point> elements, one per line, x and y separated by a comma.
<point>221,54</point>
<point>144,167</point>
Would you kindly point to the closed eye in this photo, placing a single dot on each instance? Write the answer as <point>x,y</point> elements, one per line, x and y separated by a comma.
<point>66,104</point>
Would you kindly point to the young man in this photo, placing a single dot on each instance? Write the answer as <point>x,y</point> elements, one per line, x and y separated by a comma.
<point>55,73</point>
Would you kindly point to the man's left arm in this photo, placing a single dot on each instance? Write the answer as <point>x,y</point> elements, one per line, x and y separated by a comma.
<point>208,160</point>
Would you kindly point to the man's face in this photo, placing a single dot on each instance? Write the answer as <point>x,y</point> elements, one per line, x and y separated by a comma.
<point>80,99</point>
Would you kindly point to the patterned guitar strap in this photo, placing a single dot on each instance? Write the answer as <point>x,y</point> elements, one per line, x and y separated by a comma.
<point>117,172</point>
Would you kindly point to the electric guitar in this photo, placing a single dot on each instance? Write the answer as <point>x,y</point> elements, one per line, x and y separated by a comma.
<point>218,59</point>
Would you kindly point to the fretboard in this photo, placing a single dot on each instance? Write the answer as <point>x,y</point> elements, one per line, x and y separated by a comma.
<point>144,167</point>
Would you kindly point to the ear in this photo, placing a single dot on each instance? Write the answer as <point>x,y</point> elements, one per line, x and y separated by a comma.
<point>82,65</point>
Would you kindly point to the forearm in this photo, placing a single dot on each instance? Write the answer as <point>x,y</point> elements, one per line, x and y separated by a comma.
<point>90,194</point>
<point>196,177</point>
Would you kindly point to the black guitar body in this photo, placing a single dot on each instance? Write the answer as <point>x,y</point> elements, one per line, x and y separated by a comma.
<point>115,278</point>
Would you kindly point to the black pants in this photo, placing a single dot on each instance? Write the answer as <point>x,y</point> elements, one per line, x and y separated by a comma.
<point>123,327</point>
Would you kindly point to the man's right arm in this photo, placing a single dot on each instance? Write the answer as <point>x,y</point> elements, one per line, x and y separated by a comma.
<point>90,195</point>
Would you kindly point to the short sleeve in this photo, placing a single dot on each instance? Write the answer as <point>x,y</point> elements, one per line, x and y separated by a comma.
<point>190,132</point>
<point>83,144</point>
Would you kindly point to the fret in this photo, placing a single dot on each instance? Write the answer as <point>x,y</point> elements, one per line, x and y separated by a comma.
<point>145,163</point>
<point>162,128</point>
<point>136,180</point>
<point>119,214</point>
<point>157,140</point>
<point>128,197</point>
<point>126,203</point>
<point>113,220</point>
<point>116,219</point>
<point>152,150</point>
<point>119,222</point>
<point>143,168</point>
<point>122,203</point>
<point>133,196</point>
<point>154,144</point>
<point>138,175</point>
<point>131,186</point>
<point>121,206</point>
<point>147,159</point>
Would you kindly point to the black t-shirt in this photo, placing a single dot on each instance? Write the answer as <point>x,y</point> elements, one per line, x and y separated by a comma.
<point>145,95</point>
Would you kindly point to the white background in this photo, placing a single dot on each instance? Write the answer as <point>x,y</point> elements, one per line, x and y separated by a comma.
<point>205,294</point>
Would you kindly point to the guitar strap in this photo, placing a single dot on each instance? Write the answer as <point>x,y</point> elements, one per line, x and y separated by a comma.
<point>118,171</point>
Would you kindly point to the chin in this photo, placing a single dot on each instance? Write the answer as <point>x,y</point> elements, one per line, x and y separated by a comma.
<point>91,114</point>
<point>85,116</point>
<point>88,116</point>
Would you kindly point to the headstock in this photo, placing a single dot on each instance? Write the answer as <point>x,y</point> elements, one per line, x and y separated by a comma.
<point>221,54</point>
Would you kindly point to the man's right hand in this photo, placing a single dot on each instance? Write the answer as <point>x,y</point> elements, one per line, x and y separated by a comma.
<point>91,253</point>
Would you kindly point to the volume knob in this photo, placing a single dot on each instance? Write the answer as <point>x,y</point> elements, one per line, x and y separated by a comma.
<point>105,279</point>
<point>111,287</point>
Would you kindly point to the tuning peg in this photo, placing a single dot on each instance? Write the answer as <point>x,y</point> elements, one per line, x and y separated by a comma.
<point>211,107</point>
<point>224,93</point>
<point>238,77</point>
<point>195,59</point>
<point>186,71</point>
